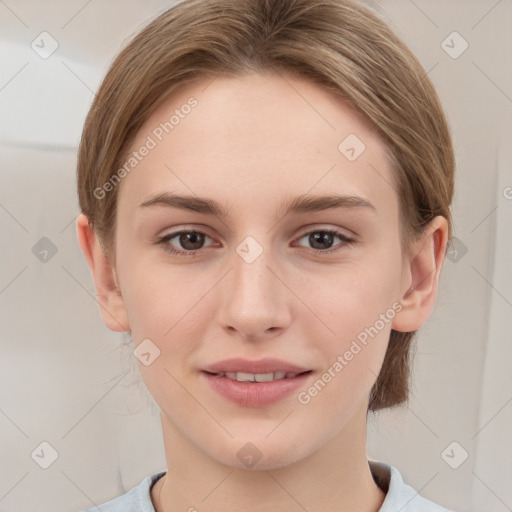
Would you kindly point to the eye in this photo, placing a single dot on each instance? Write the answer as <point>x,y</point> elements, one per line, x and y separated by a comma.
<point>192,241</point>
<point>322,237</point>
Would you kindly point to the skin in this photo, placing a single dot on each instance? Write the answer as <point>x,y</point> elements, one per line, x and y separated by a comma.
<point>252,142</point>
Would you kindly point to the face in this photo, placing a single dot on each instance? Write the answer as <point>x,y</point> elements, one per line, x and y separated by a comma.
<point>311,290</point>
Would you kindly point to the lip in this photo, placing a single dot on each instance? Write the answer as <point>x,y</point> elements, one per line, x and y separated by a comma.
<point>255,394</point>
<point>266,365</point>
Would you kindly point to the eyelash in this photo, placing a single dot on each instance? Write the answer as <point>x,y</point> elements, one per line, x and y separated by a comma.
<point>164,241</point>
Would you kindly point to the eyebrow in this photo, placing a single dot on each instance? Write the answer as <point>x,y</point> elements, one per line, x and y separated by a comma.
<point>299,204</point>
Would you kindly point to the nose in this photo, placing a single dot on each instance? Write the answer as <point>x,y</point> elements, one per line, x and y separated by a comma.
<point>255,302</point>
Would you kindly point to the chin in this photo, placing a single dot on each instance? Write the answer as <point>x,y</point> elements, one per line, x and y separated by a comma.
<point>260,454</point>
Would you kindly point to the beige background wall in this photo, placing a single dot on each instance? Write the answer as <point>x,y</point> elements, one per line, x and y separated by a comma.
<point>65,379</point>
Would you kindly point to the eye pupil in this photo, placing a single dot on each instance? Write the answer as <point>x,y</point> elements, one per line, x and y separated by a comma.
<point>196,239</point>
<point>322,237</point>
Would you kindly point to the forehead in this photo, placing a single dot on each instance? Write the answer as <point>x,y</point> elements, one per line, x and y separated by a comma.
<point>243,139</point>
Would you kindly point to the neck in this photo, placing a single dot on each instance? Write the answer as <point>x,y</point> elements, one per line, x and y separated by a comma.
<point>336,477</point>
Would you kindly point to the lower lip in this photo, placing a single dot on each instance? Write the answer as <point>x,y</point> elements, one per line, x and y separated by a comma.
<point>255,394</point>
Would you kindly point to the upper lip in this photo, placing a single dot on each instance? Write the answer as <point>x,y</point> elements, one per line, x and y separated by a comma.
<point>266,365</point>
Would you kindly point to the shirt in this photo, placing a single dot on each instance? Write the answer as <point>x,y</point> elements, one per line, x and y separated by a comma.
<point>400,497</point>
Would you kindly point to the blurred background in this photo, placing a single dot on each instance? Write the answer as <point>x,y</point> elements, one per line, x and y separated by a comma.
<point>76,425</point>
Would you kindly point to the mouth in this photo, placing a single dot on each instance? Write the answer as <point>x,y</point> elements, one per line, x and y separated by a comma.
<point>268,368</point>
<point>258,377</point>
<point>250,383</point>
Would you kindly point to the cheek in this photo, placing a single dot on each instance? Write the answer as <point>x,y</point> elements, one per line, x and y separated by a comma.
<point>170,307</point>
<point>352,361</point>
<point>358,306</point>
<point>356,298</point>
<point>156,296</point>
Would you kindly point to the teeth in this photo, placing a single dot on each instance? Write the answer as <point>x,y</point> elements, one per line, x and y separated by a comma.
<point>256,377</point>
<point>264,377</point>
<point>245,377</point>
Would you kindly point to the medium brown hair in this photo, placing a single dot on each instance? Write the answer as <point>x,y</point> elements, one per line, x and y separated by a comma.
<point>338,44</point>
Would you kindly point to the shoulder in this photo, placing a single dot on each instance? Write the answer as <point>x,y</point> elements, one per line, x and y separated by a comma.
<point>137,499</point>
<point>399,495</point>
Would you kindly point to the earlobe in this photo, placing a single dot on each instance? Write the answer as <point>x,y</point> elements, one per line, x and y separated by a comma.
<point>105,278</point>
<point>421,277</point>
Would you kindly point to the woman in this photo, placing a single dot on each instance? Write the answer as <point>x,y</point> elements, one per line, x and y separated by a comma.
<point>265,190</point>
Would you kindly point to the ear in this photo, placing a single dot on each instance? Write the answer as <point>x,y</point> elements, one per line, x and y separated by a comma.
<point>110,300</point>
<point>421,275</point>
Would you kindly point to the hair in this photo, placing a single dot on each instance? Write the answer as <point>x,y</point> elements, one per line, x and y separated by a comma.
<point>340,45</point>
